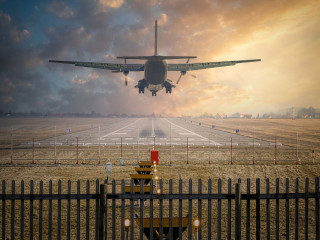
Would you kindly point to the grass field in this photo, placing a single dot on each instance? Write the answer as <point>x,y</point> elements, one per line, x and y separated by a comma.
<point>198,167</point>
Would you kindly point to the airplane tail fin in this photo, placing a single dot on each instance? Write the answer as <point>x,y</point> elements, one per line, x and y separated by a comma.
<point>156,38</point>
<point>155,50</point>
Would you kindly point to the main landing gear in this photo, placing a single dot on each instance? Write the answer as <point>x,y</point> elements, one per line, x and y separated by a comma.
<point>154,93</point>
<point>168,90</point>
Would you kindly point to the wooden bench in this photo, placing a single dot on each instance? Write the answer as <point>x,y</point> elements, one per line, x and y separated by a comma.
<point>144,170</point>
<point>138,177</point>
<point>165,224</point>
<point>145,164</point>
<point>136,189</point>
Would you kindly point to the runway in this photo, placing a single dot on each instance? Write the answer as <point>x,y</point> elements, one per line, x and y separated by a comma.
<point>161,131</point>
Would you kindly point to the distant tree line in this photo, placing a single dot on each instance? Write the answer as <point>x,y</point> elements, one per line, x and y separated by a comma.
<point>310,112</point>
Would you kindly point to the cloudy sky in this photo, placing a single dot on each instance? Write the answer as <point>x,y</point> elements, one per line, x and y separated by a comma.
<point>285,34</point>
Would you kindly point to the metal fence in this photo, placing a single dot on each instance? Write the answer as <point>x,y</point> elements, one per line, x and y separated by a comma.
<point>223,210</point>
<point>229,151</point>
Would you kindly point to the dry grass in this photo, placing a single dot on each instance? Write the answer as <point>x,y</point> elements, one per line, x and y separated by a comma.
<point>198,168</point>
<point>284,130</point>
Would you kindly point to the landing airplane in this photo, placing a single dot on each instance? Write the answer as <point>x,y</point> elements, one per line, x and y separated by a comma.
<point>155,68</point>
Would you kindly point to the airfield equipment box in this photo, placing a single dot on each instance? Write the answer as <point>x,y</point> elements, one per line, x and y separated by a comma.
<point>155,157</point>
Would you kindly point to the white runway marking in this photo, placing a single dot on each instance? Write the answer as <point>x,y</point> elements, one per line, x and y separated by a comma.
<point>192,133</point>
<point>115,132</point>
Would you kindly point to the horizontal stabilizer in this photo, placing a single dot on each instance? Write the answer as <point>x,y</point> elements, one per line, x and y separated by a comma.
<point>156,57</point>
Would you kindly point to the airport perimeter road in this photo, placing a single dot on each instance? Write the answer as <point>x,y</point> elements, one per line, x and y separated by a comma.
<point>161,131</point>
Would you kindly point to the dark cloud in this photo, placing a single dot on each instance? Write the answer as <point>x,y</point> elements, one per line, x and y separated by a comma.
<point>60,9</point>
<point>100,30</point>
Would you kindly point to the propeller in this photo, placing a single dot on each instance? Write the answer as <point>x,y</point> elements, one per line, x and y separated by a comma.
<point>183,72</point>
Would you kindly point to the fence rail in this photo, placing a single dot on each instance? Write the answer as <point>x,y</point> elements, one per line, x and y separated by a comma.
<point>228,151</point>
<point>259,210</point>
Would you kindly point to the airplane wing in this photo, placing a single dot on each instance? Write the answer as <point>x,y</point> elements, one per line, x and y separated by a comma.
<point>183,67</point>
<point>108,66</point>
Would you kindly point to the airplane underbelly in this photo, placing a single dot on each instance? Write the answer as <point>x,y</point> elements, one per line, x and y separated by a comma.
<point>155,72</point>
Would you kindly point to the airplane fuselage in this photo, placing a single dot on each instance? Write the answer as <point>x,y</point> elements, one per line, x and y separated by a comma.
<point>155,73</point>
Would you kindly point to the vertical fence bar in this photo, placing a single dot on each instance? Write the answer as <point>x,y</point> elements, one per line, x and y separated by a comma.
<point>102,212</point>
<point>40,210</point>
<point>69,210</point>
<point>275,151</point>
<point>219,211</point>
<point>268,208</point>
<point>238,212</point>
<point>141,209</point>
<point>99,162</point>
<point>297,154</point>
<point>170,212</point>
<point>114,230</point>
<point>248,212</point>
<point>138,141</point>
<point>22,212</point>
<point>13,189</point>
<point>11,157</point>
<point>229,209</point>
<point>106,209</point>
<point>33,150</point>
<point>231,152</point>
<point>88,210</point>
<point>258,208</point>
<point>59,211</point>
<point>151,210</point>
<point>77,151</point>
<point>170,144</point>
<point>187,150</point>
<point>180,208</point>
<point>55,144</point>
<point>131,211</point>
<point>297,210</point>
<point>78,210</point>
<point>209,208</point>
<point>97,210</point>
<point>121,147</point>
<point>50,212</point>
<point>287,206</point>
<point>306,226</point>
<point>253,154</point>
<point>122,210</point>
<point>3,210</point>
<point>317,208</point>
<point>199,208</point>
<point>161,211</point>
<point>277,210</point>
<point>190,211</point>
<point>31,211</point>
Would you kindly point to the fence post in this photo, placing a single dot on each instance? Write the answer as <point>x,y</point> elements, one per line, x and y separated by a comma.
<point>11,162</point>
<point>33,150</point>
<point>102,212</point>
<point>187,150</point>
<point>121,148</point>
<point>231,152</point>
<point>77,152</point>
<point>275,151</point>
<point>238,211</point>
